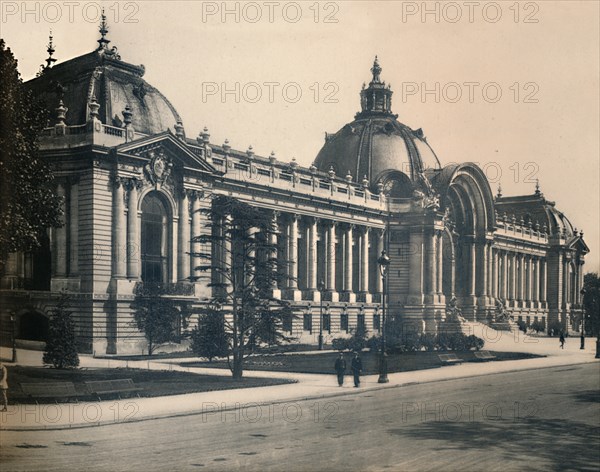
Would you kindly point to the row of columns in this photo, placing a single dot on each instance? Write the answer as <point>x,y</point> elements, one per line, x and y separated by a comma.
<point>519,277</point>
<point>331,233</point>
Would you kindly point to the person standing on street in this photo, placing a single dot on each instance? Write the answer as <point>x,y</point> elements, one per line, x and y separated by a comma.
<point>4,386</point>
<point>356,369</point>
<point>340,368</point>
<point>562,340</point>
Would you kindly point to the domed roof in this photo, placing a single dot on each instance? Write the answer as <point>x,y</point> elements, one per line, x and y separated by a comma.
<point>536,209</point>
<point>113,83</point>
<point>376,142</point>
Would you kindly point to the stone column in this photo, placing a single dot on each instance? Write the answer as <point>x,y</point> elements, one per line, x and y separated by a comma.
<point>472,267</point>
<point>330,279</point>
<point>74,229</point>
<point>133,233</point>
<point>430,266</point>
<point>513,277</point>
<point>528,279</point>
<point>506,272</point>
<point>543,280</point>
<point>494,291</point>
<point>119,266</point>
<point>565,271</point>
<point>183,260</point>
<point>415,284</point>
<point>440,267</point>
<point>312,254</point>
<point>61,237</point>
<point>519,263</point>
<point>380,234</point>
<point>482,272</point>
<point>536,281</point>
<point>364,260</point>
<point>348,259</point>
<point>292,241</point>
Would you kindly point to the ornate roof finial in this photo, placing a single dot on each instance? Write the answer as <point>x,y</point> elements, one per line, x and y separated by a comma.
<point>51,60</point>
<point>376,99</point>
<point>499,194</point>
<point>376,71</point>
<point>103,42</point>
<point>537,187</point>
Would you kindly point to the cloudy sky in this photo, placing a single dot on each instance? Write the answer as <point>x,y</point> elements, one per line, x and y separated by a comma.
<point>511,86</point>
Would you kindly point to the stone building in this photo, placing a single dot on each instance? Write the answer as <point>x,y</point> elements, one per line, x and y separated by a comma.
<point>134,182</point>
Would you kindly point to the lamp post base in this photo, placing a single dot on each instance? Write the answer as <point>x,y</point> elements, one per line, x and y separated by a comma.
<point>383,378</point>
<point>320,342</point>
<point>582,343</point>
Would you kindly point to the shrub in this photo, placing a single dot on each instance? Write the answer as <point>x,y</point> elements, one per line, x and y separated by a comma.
<point>473,342</point>
<point>209,338</point>
<point>429,341</point>
<point>341,344</point>
<point>373,343</point>
<point>61,347</point>
<point>522,325</point>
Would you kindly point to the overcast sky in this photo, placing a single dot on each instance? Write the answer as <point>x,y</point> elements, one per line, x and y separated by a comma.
<point>511,86</point>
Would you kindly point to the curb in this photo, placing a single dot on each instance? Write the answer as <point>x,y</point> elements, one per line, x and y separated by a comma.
<point>277,402</point>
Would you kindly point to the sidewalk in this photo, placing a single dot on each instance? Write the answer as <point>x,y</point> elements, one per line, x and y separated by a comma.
<point>309,386</point>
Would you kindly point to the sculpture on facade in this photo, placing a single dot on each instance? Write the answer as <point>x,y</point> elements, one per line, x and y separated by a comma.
<point>501,313</point>
<point>453,312</point>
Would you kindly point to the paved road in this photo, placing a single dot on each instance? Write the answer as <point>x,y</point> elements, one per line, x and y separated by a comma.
<point>546,419</point>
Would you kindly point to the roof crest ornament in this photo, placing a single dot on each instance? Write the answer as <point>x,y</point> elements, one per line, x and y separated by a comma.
<point>51,60</point>
<point>103,42</point>
<point>376,71</point>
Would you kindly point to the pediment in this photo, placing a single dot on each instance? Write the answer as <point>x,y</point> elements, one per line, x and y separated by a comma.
<point>165,151</point>
<point>578,244</point>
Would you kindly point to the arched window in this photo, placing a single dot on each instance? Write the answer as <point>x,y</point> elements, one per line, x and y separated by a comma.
<point>154,239</point>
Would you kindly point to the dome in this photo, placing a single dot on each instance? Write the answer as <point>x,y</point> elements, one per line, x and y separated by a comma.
<point>113,83</point>
<point>537,210</point>
<point>376,143</point>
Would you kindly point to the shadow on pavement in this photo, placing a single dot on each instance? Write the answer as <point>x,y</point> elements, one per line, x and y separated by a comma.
<point>565,444</point>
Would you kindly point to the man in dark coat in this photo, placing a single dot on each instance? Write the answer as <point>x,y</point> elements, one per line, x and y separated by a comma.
<point>356,369</point>
<point>340,368</point>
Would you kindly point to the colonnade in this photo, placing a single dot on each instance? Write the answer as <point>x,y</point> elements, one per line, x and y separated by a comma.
<point>520,277</point>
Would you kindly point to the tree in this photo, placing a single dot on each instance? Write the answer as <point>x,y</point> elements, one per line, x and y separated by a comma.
<point>28,202</point>
<point>161,319</point>
<point>208,337</point>
<point>591,302</point>
<point>242,267</point>
<point>61,346</point>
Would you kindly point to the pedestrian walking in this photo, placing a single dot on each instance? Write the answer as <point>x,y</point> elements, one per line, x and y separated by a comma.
<point>340,368</point>
<point>4,386</point>
<point>356,369</point>
<point>562,340</point>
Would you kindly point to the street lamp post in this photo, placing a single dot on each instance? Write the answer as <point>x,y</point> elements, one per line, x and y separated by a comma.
<point>321,288</point>
<point>384,263</point>
<point>582,345</point>
<point>14,335</point>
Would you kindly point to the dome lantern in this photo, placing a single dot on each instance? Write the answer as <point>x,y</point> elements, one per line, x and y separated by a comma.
<point>376,99</point>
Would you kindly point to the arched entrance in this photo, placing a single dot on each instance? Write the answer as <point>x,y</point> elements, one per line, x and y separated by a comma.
<point>469,205</point>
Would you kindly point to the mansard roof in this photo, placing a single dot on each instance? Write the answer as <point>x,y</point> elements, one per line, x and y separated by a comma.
<point>113,83</point>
